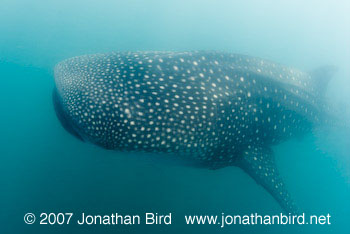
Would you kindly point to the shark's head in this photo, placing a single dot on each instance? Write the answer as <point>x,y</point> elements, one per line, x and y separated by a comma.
<point>63,116</point>
<point>93,100</point>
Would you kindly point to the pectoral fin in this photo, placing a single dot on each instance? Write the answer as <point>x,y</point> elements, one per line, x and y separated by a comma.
<point>259,163</point>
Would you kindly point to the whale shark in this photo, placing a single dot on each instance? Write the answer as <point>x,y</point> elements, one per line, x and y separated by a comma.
<point>216,109</point>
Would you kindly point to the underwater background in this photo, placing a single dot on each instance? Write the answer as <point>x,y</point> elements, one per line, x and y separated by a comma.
<point>45,169</point>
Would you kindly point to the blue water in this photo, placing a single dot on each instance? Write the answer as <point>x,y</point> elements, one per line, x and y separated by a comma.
<point>44,169</point>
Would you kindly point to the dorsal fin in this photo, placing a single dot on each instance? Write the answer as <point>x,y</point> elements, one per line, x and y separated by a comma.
<point>321,77</point>
<point>259,163</point>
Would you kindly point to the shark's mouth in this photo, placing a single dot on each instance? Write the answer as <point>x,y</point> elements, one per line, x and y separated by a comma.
<point>63,117</point>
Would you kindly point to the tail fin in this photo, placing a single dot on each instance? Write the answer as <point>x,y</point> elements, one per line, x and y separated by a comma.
<point>321,77</point>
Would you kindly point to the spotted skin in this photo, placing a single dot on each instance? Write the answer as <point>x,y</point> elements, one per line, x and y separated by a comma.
<point>218,109</point>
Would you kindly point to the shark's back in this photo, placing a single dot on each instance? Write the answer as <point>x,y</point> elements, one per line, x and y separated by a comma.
<point>189,101</point>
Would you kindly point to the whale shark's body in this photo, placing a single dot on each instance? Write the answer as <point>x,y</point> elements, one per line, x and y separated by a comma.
<point>217,109</point>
